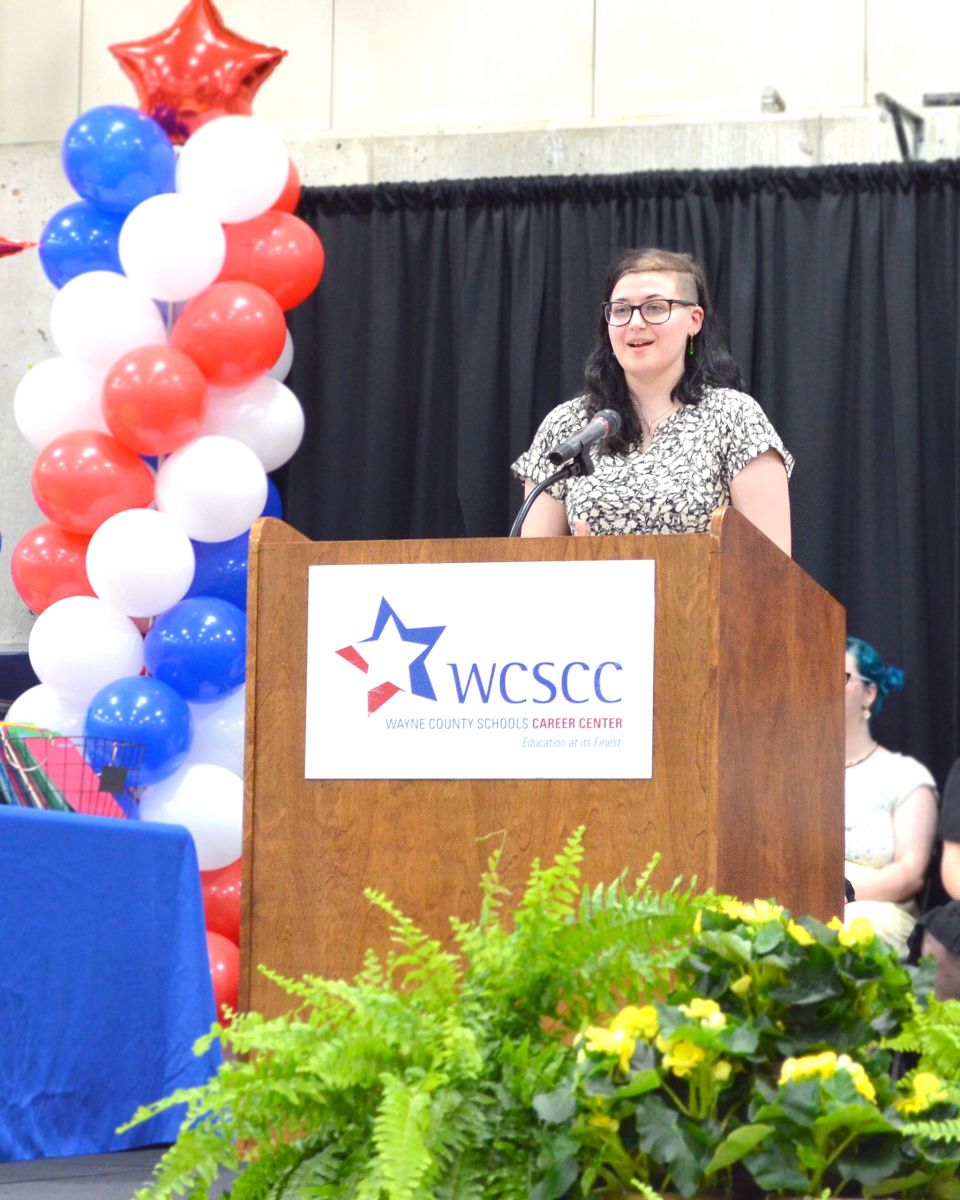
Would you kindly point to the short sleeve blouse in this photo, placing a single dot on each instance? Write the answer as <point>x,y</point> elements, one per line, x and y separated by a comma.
<point>874,790</point>
<point>672,487</point>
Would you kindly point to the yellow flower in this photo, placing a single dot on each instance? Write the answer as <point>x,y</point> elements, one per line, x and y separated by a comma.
<point>928,1089</point>
<point>834,923</point>
<point>700,1007</point>
<point>682,1057</point>
<point>615,1042</point>
<point>721,1071</point>
<point>602,1122</point>
<point>698,921</point>
<point>799,934</point>
<point>642,1022</point>
<point>707,1012</point>
<point>824,1065</point>
<point>808,1067</point>
<point>741,986</point>
<point>763,910</point>
<point>757,913</point>
<point>859,932</point>
<point>861,1080</point>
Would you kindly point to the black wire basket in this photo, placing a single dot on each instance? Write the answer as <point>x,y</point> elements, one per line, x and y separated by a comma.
<point>92,775</point>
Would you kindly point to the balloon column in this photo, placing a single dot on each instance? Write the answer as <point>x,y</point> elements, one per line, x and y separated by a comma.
<point>155,427</point>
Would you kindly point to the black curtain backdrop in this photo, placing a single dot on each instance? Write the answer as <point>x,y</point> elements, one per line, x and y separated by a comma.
<point>453,315</point>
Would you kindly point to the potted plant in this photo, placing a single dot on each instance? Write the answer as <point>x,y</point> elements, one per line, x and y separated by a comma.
<point>579,1043</point>
<point>768,1068</point>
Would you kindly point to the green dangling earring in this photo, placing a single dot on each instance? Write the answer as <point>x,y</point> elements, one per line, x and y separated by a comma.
<point>690,348</point>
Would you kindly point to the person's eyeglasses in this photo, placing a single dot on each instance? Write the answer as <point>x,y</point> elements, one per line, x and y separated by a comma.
<point>850,676</point>
<point>654,312</point>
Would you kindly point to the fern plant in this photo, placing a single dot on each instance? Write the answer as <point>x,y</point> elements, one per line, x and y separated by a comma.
<point>932,1031</point>
<point>932,1034</point>
<point>418,1078</point>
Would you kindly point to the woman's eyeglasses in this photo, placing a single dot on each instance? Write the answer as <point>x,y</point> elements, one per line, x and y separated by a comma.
<point>654,312</point>
<point>850,676</point>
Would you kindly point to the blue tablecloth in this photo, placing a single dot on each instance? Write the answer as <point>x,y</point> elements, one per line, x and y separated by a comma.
<point>104,981</point>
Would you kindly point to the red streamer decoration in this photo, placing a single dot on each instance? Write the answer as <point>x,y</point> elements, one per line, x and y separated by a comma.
<point>7,247</point>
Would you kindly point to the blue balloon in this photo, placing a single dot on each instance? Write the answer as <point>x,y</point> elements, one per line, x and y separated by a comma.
<point>147,711</point>
<point>221,570</point>
<point>117,157</point>
<point>79,238</point>
<point>274,505</point>
<point>199,648</point>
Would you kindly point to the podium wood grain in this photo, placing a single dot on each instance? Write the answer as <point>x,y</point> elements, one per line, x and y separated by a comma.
<point>747,787</point>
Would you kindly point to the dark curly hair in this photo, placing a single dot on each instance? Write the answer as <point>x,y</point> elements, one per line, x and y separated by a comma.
<point>710,366</point>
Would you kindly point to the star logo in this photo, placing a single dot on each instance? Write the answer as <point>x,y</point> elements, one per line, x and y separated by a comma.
<point>393,658</point>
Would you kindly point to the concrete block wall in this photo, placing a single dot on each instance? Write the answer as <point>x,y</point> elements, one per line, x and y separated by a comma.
<point>361,66</point>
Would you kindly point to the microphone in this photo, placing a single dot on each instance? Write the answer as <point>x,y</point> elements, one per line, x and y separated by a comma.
<point>605,424</point>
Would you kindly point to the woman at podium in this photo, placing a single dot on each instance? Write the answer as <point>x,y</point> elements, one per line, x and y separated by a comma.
<point>689,438</point>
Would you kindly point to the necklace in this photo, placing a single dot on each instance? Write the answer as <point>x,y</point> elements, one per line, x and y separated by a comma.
<point>855,762</point>
<point>646,435</point>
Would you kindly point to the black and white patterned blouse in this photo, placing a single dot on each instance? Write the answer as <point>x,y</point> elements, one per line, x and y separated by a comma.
<point>674,486</point>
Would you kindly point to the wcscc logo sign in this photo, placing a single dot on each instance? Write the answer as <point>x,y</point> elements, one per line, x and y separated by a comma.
<point>542,683</point>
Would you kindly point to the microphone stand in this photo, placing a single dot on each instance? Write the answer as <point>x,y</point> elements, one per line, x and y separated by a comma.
<point>580,464</point>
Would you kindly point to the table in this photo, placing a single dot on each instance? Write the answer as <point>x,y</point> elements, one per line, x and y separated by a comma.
<point>104,981</point>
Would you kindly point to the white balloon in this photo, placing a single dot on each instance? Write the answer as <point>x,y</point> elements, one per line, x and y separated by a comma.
<point>218,731</point>
<point>208,800</point>
<point>57,396</point>
<point>42,705</point>
<point>265,415</point>
<point>171,248</point>
<point>99,316</point>
<point>214,488</point>
<point>79,645</point>
<point>281,368</point>
<point>236,166</point>
<point>140,562</point>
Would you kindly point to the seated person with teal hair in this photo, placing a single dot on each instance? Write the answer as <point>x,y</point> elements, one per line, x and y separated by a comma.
<point>890,807</point>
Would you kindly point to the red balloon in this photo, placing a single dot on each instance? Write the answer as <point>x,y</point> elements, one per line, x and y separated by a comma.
<point>277,252</point>
<point>154,399</point>
<point>49,564</point>
<point>290,196</point>
<point>83,477</point>
<point>221,900</point>
<point>232,331</point>
<point>224,973</point>
<point>195,70</point>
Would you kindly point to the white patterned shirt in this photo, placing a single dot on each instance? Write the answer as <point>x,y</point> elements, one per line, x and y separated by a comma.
<point>672,487</point>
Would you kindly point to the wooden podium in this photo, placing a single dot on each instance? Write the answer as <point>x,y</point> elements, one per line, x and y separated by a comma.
<point>747,786</point>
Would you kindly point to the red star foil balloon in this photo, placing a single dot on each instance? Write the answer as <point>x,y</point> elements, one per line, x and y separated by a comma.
<point>195,70</point>
<point>7,247</point>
